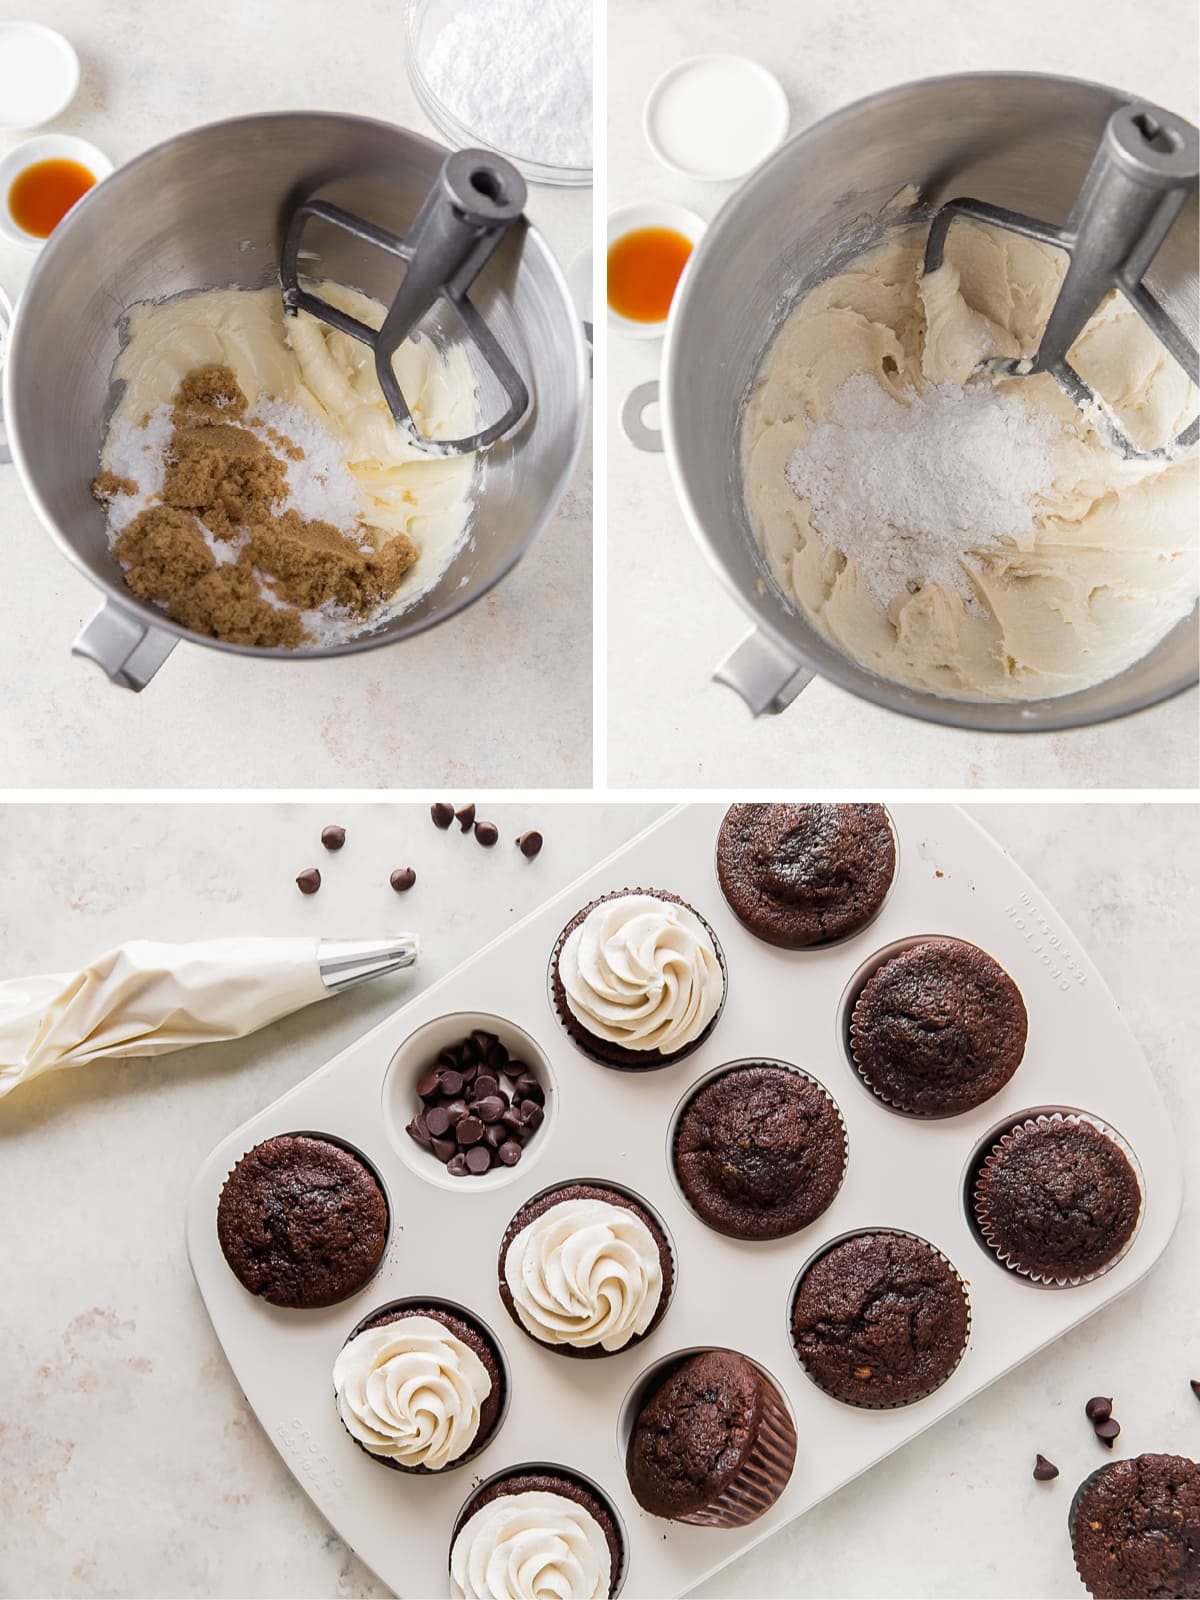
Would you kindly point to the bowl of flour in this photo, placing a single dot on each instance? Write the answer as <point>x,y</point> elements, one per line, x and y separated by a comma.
<point>514,76</point>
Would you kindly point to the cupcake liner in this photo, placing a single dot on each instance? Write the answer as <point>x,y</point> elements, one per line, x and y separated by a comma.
<point>764,1474</point>
<point>912,1399</point>
<point>713,1077</point>
<point>1077,1498</point>
<point>620,1058</point>
<point>436,1311</point>
<point>978,1207</point>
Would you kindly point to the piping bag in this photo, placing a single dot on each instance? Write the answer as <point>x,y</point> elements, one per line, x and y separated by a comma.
<point>145,997</point>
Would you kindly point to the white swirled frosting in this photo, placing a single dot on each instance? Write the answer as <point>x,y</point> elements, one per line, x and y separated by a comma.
<point>585,1273</point>
<point>642,973</point>
<point>411,1392</point>
<point>531,1546</point>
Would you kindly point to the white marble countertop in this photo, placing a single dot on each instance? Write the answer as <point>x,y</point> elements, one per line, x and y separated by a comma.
<point>132,1464</point>
<point>670,621</point>
<point>498,697</point>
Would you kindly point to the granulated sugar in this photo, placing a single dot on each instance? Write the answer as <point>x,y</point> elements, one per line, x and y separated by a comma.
<point>139,455</point>
<point>518,73</point>
<point>320,485</point>
<point>906,488</point>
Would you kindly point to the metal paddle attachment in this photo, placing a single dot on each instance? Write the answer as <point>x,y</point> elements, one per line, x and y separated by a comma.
<point>475,200</point>
<point>1146,166</point>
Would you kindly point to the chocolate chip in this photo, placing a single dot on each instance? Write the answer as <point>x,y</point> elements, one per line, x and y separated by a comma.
<point>1044,1470</point>
<point>437,1120</point>
<point>509,1152</point>
<point>417,1130</point>
<point>529,843</point>
<point>333,837</point>
<point>445,1149</point>
<point>1108,1430</point>
<point>452,1083</point>
<point>442,814</point>
<point>528,1088</point>
<point>470,1071</point>
<point>494,1135</point>
<point>456,1111</point>
<point>403,878</point>
<point>513,1121</point>
<point>490,1109</point>
<point>1098,1409</point>
<point>485,1085</point>
<point>479,1159</point>
<point>497,1057</point>
<point>428,1085</point>
<point>487,833</point>
<point>1195,1383</point>
<point>469,1130</point>
<point>465,816</point>
<point>484,1042</point>
<point>457,1166</point>
<point>308,881</point>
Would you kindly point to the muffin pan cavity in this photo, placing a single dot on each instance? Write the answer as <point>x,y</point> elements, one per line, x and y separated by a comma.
<point>614,1128</point>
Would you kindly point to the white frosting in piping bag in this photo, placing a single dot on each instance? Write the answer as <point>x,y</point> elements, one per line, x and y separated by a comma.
<point>410,1392</point>
<point>531,1546</point>
<point>585,1273</point>
<point>642,973</point>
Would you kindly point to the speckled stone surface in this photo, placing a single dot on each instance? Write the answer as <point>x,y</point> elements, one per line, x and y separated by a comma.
<point>499,697</point>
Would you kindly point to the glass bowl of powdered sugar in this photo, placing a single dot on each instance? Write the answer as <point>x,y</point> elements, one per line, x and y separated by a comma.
<point>514,76</point>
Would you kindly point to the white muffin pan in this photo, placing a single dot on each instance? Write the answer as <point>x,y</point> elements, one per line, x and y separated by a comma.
<point>903,1172</point>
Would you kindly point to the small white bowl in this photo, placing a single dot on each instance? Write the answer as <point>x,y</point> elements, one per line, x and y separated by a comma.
<point>39,74</point>
<point>715,117</point>
<point>650,214</point>
<point>46,147</point>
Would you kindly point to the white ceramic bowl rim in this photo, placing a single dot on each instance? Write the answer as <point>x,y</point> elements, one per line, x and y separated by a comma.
<point>772,89</point>
<point>62,87</point>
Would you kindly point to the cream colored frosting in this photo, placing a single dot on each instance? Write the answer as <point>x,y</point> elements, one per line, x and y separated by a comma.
<point>329,376</point>
<point>585,1273</point>
<point>531,1546</point>
<point>642,973</point>
<point>410,1391</point>
<point>1110,564</point>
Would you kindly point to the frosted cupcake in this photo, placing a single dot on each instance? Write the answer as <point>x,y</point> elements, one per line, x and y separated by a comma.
<point>419,1389</point>
<point>536,1531</point>
<point>638,979</point>
<point>585,1270</point>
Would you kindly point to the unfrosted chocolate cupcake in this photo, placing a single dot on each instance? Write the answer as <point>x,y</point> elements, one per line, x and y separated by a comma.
<point>880,1319</point>
<point>638,979</point>
<point>1135,1529</point>
<point>419,1388</point>
<point>804,875</point>
<point>1058,1198</point>
<point>938,1029</point>
<point>713,1443</point>
<point>585,1270</point>
<point>561,1533</point>
<point>302,1221</point>
<point>760,1151</point>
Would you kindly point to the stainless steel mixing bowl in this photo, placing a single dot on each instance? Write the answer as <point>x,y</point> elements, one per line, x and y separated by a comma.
<point>210,208</point>
<point>1020,140</point>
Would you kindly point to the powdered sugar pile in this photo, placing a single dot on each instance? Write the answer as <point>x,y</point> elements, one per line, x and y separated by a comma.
<point>320,485</point>
<point>518,74</point>
<point>906,488</point>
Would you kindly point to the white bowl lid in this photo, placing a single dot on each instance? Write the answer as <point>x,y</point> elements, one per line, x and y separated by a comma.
<point>715,117</point>
<point>39,74</point>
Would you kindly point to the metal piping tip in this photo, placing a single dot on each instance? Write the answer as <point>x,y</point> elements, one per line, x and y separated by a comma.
<point>346,962</point>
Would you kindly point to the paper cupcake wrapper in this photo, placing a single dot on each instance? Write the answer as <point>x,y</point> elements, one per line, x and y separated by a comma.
<point>910,1400</point>
<point>655,1058</point>
<point>1057,1280</point>
<point>762,1477</point>
<point>784,1066</point>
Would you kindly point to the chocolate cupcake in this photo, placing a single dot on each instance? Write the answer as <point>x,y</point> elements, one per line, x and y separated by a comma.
<point>760,1151</point>
<point>805,875</point>
<point>880,1319</point>
<point>712,1443</point>
<point>938,1028</point>
<point>560,1533</point>
<point>1058,1198</point>
<point>302,1222</point>
<point>585,1270</point>
<point>1135,1529</point>
<point>419,1388</point>
<point>638,979</point>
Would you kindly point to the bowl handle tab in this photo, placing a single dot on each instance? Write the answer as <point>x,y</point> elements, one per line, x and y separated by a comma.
<point>766,675</point>
<point>129,650</point>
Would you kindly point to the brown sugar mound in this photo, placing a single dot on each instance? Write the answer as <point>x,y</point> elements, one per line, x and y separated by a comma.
<point>221,475</point>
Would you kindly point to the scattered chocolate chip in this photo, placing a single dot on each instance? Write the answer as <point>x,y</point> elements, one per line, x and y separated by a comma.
<point>1108,1430</point>
<point>465,816</point>
<point>333,837</point>
<point>445,1149</point>
<point>1044,1470</point>
<point>469,1130</point>
<point>457,1166</point>
<point>1195,1383</point>
<point>428,1085</point>
<point>452,1083</point>
<point>529,843</point>
<point>509,1152</point>
<point>490,1109</point>
<point>442,814</point>
<point>403,878</point>
<point>417,1130</point>
<point>485,1085</point>
<point>1098,1409</point>
<point>308,881</point>
<point>487,833</point>
<point>479,1159</point>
